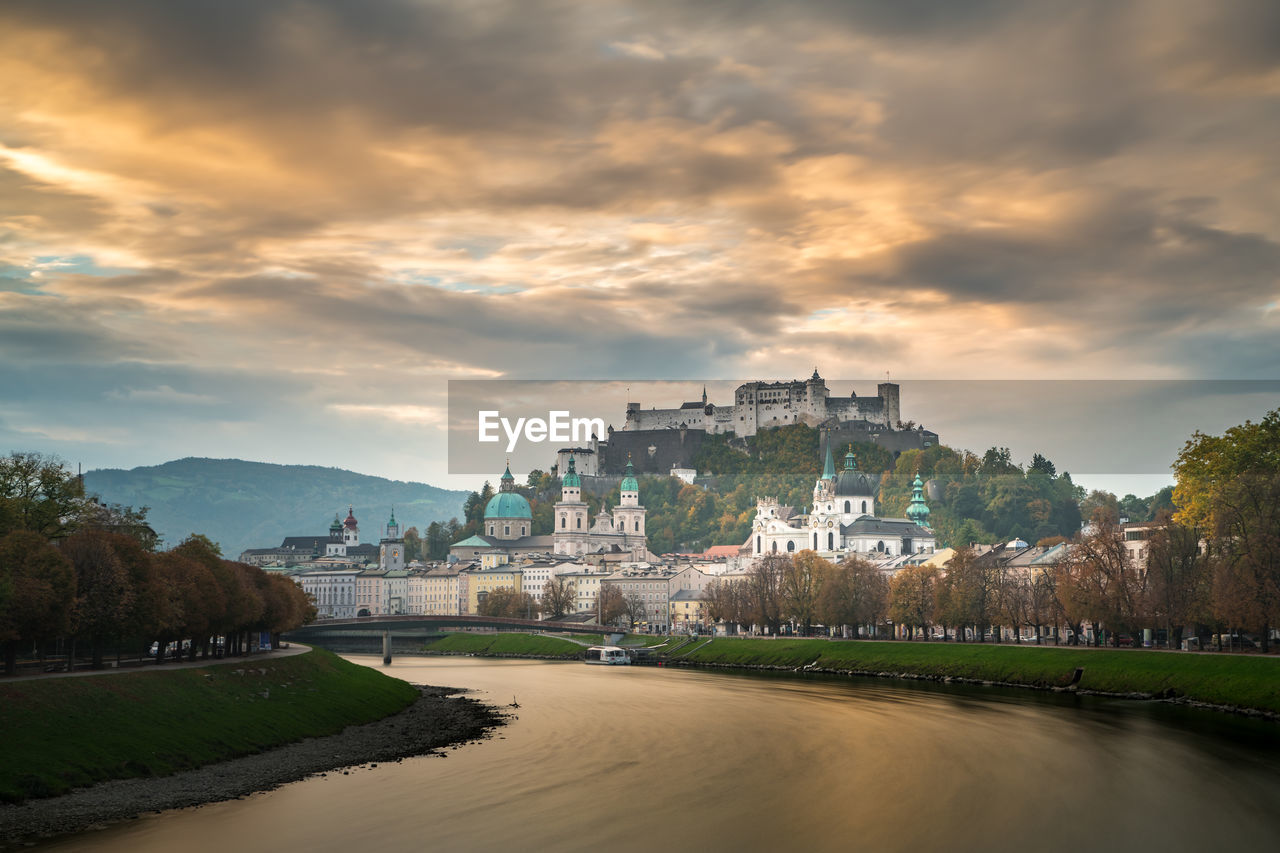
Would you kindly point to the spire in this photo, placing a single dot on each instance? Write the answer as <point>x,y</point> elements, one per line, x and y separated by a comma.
<point>571,480</point>
<point>829,467</point>
<point>629,483</point>
<point>850,462</point>
<point>918,510</point>
<point>507,482</point>
<point>704,395</point>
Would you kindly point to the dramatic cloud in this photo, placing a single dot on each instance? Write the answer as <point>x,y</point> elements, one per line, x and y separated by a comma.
<point>253,221</point>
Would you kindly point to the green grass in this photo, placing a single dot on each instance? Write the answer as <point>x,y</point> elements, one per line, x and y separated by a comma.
<point>60,733</point>
<point>506,644</point>
<point>1248,682</point>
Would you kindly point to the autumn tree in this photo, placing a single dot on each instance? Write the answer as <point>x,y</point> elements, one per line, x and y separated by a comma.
<point>1102,586</point>
<point>104,594</point>
<point>610,605</point>
<point>762,592</point>
<point>636,611</point>
<point>559,597</point>
<point>913,596</point>
<point>37,593</point>
<point>1179,578</point>
<point>801,584</point>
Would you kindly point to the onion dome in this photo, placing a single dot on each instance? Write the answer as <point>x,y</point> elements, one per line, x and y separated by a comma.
<point>629,483</point>
<point>918,510</point>
<point>852,481</point>
<point>350,521</point>
<point>336,527</point>
<point>571,478</point>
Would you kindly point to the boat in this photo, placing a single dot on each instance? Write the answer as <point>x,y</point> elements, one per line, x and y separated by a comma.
<point>608,656</point>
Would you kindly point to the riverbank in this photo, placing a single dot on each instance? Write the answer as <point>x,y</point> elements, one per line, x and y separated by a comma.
<point>1228,682</point>
<point>63,733</point>
<point>435,720</point>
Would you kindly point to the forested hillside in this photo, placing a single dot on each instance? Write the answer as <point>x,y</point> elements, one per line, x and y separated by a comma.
<point>242,504</point>
<point>987,498</point>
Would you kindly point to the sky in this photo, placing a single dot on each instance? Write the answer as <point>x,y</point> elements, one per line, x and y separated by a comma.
<point>275,231</point>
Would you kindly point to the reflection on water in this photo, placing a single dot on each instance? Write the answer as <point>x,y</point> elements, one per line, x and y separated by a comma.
<point>639,758</point>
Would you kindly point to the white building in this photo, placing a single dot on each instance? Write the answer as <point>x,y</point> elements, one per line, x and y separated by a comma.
<point>763,405</point>
<point>843,520</point>
<point>333,592</point>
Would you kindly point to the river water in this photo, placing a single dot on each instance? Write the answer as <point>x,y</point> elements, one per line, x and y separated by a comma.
<point>648,759</point>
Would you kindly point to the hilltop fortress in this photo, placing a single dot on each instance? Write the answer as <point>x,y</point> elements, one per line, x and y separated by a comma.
<point>763,405</point>
<point>665,441</point>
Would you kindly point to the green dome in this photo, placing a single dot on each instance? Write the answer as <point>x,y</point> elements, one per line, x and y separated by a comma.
<point>571,479</point>
<point>629,483</point>
<point>507,505</point>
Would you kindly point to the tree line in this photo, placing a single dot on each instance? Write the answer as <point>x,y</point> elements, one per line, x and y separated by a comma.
<point>76,573</point>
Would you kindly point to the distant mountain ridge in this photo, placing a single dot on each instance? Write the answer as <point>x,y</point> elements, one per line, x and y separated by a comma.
<point>241,504</point>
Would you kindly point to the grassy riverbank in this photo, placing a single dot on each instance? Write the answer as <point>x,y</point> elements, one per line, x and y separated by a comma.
<point>1247,682</point>
<point>61,733</point>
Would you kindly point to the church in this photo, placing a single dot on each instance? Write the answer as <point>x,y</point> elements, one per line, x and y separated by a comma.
<point>842,520</point>
<point>508,524</point>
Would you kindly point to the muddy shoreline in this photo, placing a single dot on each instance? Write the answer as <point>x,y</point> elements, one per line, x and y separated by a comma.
<point>439,718</point>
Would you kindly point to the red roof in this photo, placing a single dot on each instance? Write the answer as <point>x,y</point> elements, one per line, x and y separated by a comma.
<point>722,551</point>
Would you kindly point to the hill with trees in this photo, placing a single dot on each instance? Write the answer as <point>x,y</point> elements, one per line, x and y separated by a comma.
<point>987,498</point>
<point>241,504</point>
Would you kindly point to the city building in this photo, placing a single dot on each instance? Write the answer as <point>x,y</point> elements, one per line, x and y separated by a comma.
<point>842,520</point>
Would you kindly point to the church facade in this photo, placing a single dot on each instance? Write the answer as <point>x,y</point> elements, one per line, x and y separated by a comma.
<point>508,524</point>
<point>843,519</point>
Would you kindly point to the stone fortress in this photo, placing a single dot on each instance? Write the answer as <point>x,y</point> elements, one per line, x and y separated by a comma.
<point>764,405</point>
<point>665,441</point>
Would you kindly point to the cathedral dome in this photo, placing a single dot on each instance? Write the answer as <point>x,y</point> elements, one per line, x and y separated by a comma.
<point>571,479</point>
<point>507,505</point>
<point>855,483</point>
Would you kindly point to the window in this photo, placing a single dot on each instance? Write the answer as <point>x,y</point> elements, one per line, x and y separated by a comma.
<point>880,547</point>
<point>579,522</point>
<point>831,541</point>
<point>506,530</point>
<point>637,525</point>
<point>758,548</point>
<point>847,506</point>
<point>864,506</point>
<point>564,522</point>
<point>791,546</point>
<point>775,547</point>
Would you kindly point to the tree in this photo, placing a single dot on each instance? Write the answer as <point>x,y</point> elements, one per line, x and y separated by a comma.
<point>723,601</point>
<point>412,545</point>
<point>967,594</point>
<point>1179,578</point>
<point>39,494</point>
<point>636,611</point>
<point>1103,587</point>
<point>1230,485</point>
<point>39,589</point>
<point>559,597</point>
<point>506,602</point>
<point>762,600</point>
<point>1043,465</point>
<point>912,597</point>
<point>611,606</point>
<point>104,595</point>
<point>801,583</point>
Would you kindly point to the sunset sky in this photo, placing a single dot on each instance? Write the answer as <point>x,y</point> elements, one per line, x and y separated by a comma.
<point>275,230</point>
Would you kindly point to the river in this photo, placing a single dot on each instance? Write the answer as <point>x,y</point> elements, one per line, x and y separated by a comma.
<point>648,759</point>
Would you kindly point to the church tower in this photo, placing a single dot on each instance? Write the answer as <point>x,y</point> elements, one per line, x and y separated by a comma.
<point>350,529</point>
<point>918,510</point>
<point>570,514</point>
<point>628,515</point>
<point>391,549</point>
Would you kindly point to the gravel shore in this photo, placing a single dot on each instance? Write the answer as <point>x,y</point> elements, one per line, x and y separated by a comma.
<point>437,719</point>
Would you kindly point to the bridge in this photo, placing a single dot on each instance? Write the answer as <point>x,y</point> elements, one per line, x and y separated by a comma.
<point>425,625</point>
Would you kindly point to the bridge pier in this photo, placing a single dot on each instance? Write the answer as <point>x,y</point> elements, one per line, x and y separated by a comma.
<point>386,648</point>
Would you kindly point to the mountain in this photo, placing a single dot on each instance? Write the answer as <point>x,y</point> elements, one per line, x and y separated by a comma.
<point>242,504</point>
